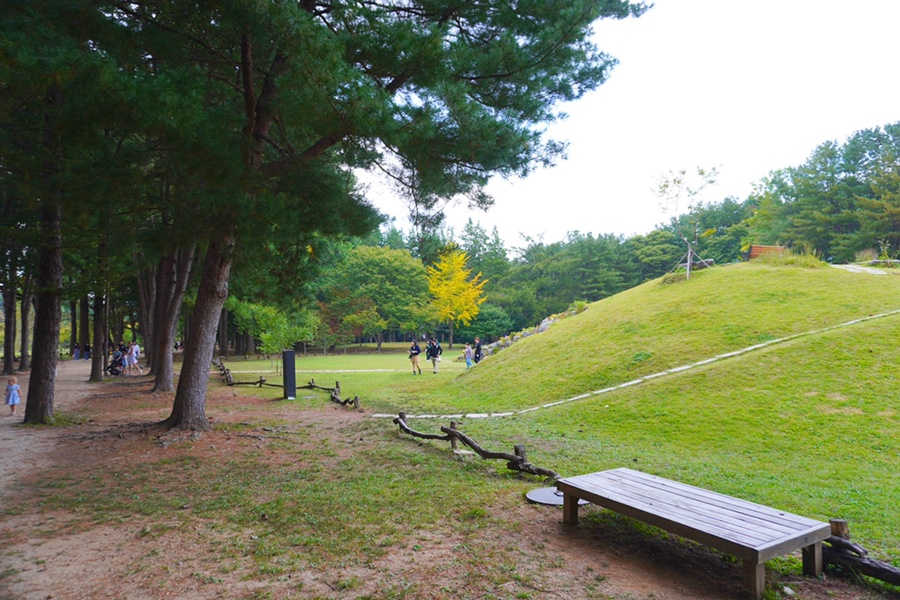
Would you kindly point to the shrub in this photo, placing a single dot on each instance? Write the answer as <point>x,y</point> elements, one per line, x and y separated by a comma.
<point>804,258</point>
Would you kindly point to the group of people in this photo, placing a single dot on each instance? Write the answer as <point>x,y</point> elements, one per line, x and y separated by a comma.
<point>78,353</point>
<point>473,354</point>
<point>433,353</point>
<point>125,359</point>
<point>124,362</point>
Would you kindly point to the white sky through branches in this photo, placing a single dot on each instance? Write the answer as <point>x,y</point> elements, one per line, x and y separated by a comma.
<point>748,87</point>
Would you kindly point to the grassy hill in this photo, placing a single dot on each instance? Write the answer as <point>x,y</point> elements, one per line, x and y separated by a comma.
<point>656,327</point>
<point>809,425</point>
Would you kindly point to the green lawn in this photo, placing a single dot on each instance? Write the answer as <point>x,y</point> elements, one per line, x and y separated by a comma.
<point>809,425</point>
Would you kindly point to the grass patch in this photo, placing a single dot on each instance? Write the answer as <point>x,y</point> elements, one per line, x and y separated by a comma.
<point>809,425</point>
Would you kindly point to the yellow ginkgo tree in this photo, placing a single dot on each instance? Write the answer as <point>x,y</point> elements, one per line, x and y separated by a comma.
<point>456,294</point>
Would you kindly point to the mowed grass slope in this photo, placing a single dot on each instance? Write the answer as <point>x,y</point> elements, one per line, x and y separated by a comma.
<point>656,327</point>
<point>810,425</point>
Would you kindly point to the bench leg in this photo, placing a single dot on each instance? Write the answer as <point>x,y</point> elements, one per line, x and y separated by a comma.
<point>812,560</point>
<point>754,578</point>
<point>570,509</point>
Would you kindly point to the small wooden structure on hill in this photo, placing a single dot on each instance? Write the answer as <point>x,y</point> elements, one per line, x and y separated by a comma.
<point>757,251</point>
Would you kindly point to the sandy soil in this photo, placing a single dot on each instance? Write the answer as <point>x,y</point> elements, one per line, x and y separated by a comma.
<point>26,448</point>
<point>51,555</point>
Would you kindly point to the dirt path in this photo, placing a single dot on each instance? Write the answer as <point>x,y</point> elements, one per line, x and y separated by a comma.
<point>861,269</point>
<point>25,449</point>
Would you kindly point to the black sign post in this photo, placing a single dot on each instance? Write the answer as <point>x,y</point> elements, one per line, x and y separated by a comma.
<point>289,369</point>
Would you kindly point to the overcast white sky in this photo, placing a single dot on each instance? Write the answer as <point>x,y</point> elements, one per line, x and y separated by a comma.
<point>748,87</point>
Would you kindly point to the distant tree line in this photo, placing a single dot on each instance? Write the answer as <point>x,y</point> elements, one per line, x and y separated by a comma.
<point>842,204</point>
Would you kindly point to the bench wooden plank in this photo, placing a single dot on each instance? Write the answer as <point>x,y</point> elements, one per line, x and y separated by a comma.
<point>632,478</point>
<point>710,535</point>
<point>688,516</point>
<point>750,531</point>
<point>713,506</point>
<point>775,516</point>
<point>659,489</point>
<point>742,521</point>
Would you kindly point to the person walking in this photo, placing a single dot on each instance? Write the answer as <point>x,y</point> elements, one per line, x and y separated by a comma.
<point>13,395</point>
<point>414,351</point>
<point>129,358</point>
<point>433,352</point>
<point>477,355</point>
<point>468,353</point>
<point>137,355</point>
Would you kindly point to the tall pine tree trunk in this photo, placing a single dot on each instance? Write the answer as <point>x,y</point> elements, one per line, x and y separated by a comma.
<point>148,299</point>
<point>223,332</point>
<point>25,348</point>
<point>147,302</point>
<point>39,407</point>
<point>98,356</point>
<point>186,328</point>
<point>189,409</point>
<point>170,291</point>
<point>84,316</point>
<point>47,317</point>
<point>9,285</point>
<point>9,325</point>
<point>73,320</point>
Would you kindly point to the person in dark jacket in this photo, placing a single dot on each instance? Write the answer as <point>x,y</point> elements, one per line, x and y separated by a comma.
<point>478,355</point>
<point>414,352</point>
<point>433,352</point>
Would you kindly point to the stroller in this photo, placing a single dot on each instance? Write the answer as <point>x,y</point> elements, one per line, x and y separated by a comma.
<point>116,366</point>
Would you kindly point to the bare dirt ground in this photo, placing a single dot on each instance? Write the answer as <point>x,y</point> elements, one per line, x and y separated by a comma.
<point>47,554</point>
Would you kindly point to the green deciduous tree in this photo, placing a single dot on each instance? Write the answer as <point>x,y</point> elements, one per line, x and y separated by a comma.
<point>378,289</point>
<point>276,330</point>
<point>491,323</point>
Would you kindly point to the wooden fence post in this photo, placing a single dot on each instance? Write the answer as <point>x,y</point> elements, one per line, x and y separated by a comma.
<point>840,528</point>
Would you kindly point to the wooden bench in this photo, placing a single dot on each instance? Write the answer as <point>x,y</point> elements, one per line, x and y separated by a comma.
<point>752,532</point>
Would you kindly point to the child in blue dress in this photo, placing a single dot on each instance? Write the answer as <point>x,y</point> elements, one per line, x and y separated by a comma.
<point>12,395</point>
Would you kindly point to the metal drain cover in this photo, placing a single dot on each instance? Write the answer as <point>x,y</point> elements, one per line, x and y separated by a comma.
<point>550,496</point>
